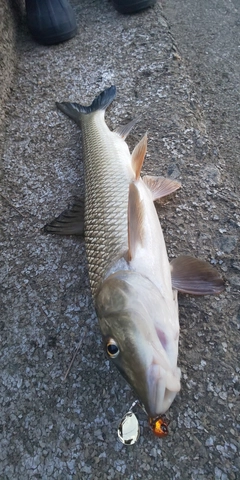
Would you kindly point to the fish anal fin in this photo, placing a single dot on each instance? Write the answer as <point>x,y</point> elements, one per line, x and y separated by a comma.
<point>124,130</point>
<point>190,275</point>
<point>135,221</point>
<point>161,186</point>
<point>138,156</point>
<point>69,222</point>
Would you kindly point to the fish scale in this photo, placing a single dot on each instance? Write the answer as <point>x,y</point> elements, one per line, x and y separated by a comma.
<point>107,181</point>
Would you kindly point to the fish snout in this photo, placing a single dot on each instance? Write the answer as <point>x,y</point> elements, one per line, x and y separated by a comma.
<point>162,386</point>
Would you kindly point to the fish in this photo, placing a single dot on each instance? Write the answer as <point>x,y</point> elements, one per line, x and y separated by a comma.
<point>133,284</point>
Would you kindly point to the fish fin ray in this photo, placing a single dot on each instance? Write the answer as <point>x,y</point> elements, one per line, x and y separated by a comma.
<point>190,275</point>
<point>135,221</point>
<point>101,102</point>
<point>124,130</point>
<point>71,110</point>
<point>138,156</point>
<point>69,222</point>
<point>161,186</point>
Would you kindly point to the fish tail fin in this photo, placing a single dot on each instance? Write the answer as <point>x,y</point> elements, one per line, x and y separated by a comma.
<point>101,102</point>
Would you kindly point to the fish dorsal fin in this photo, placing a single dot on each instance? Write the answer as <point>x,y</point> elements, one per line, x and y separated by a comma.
<point>138,156</point>
<point>135,221</point>
<point>190,275</point>
<point>161,186</point>
<point>124,130</point>
<point>69,222</point>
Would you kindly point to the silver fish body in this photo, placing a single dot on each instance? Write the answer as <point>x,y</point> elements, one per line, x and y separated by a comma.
<point>131,279</point>
<point>108,172</point>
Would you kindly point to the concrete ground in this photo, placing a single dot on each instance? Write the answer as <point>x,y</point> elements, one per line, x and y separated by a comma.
<point>176,67</point>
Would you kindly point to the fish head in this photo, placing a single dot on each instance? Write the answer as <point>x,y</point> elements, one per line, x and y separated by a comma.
<point>134,321</point>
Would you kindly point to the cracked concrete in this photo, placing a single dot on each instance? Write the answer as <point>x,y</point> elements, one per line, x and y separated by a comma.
<point>53,428</point>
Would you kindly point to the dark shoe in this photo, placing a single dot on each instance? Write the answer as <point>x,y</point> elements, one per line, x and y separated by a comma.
<point>132,6</point>
<point>51,21</point>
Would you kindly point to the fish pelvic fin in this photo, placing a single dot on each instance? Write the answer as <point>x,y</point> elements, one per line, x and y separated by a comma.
<point>101,102</point>
<point>69,222</point>
<point>138,156</point>
<point>190,275</point>
<point>135,221</point>
<point>161,186</point>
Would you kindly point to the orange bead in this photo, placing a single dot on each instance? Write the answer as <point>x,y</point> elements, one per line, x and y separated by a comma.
<point>159,426</point>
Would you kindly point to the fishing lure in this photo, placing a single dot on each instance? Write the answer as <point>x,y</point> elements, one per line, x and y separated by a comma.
<point>129,429</point>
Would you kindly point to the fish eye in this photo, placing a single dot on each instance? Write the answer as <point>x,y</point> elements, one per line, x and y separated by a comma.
<point>112,348</point>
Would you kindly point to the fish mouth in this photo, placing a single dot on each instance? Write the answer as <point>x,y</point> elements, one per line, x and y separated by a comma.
<point>162,386</point>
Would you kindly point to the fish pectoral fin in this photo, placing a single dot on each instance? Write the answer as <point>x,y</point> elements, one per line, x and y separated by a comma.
<point>69,222</point>
<point>124,130</point>
<point>161,186</point>
<point>135,221</point>
<point>138,156</point>
<point>190,275</point>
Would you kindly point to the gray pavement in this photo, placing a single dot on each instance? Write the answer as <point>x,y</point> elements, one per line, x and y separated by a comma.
<point>167,63</point>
